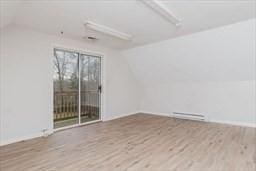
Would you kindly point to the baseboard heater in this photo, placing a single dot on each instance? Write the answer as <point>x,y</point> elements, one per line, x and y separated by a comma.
<point>190,116</point>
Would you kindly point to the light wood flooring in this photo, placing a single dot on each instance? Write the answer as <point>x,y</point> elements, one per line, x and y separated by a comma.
<point>137,143</point>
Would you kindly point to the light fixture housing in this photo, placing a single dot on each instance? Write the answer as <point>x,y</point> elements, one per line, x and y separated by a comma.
<point>162,10</point>
<point>90,38</point>
<point>107,30</point>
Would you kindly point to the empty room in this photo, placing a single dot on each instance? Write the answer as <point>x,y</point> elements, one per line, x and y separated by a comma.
<point>127,85</point>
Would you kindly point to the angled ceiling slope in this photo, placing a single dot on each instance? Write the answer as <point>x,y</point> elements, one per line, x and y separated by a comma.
<point>131,17</point>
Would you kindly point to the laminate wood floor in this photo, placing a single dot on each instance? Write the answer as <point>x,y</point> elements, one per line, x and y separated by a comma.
<point>136,143</point>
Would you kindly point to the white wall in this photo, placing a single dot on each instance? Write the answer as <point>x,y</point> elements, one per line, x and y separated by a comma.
<point>26,82</point>
<point>7,11</point>
<point>210,73</point>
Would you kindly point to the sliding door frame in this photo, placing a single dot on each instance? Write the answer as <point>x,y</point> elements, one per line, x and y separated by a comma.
<point>102,83</point>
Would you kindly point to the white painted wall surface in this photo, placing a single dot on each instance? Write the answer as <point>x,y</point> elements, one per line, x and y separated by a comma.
<point>210,73</point>
<point>26,82</point>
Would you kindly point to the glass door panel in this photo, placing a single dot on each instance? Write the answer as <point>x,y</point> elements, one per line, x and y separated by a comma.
<point>66,88</point>
<point>90,87</point>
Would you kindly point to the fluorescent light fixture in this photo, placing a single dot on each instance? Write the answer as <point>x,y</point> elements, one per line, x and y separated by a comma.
<point>162,10</point>
<point>107,30</point>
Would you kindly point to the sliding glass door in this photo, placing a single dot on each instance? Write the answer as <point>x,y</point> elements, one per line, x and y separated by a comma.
<point>66,88</point>
<point>77,88</point>
<point>90,88</point>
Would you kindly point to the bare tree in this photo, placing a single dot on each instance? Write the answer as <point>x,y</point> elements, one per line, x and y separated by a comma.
<point>61,66</point>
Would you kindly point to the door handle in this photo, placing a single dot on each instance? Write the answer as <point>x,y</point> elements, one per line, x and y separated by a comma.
<point>99,88</point>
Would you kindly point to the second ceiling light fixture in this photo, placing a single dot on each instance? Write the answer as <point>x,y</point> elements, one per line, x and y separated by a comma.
<point>156,5</point>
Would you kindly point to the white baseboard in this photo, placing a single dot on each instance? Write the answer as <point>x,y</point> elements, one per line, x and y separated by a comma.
<point>27,137</point>
<point>42,134</point>
<point>171,115</point>
<point>243,124</point>
<point>155,113</point>
<point>119,116</point>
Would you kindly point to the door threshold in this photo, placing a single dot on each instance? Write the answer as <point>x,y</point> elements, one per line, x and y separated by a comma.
<point>76,125</point>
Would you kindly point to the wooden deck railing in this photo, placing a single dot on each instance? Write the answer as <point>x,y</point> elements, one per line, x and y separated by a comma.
<point>66,105</point>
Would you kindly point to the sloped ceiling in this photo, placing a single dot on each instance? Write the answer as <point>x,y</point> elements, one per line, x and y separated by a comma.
<point>131,17</point>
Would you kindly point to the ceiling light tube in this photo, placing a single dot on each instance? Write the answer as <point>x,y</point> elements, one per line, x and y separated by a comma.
<point>107,30</point>
<point>162,10</point>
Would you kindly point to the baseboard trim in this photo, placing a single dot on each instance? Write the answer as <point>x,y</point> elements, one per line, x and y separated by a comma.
<point>235,123</point>
<point>41,134</point>
<point>155,113</point>
<point>24,138</point>
<point>120,116</point>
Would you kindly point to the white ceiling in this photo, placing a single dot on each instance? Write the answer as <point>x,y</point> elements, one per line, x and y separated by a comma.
<point>128,16</point>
